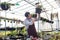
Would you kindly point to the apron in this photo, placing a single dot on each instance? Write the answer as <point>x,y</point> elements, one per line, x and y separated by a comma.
<point>32,31</point>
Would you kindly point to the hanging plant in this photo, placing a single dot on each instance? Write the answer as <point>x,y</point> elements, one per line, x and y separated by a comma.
<point>5,6</point>
<point>54,15</point>
<point>8,20</point>
<point>14,21</point>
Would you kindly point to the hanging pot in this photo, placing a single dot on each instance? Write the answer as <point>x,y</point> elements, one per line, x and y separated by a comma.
<point>5,6</point>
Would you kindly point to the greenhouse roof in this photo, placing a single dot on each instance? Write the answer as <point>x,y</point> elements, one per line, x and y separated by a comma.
<point>22,6</point>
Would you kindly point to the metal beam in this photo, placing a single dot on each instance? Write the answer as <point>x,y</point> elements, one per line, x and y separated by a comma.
<point>50,4</point>
<point>21,6</point>
<point>29,3</point>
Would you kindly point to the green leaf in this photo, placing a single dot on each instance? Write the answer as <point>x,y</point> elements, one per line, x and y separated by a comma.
<point>17,4</point>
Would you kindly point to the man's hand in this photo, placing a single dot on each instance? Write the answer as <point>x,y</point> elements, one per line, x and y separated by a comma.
<point>33,20</point>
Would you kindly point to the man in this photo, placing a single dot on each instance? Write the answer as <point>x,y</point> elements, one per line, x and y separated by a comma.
<point>29,23</point>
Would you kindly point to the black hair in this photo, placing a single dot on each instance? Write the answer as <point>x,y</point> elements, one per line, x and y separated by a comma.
<point>36,3</point>
<point>26,14</point>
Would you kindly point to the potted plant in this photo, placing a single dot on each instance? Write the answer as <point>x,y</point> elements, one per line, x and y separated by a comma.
<point>5,5</point>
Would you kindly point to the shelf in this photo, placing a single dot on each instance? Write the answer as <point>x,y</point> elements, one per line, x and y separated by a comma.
<point>9,19</point>
<point>10,29</point>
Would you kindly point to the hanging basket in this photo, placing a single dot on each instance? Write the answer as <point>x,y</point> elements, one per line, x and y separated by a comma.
<point>5,6</point>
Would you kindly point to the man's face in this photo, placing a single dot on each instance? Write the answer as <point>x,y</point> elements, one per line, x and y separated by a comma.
<point>29,16</point>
